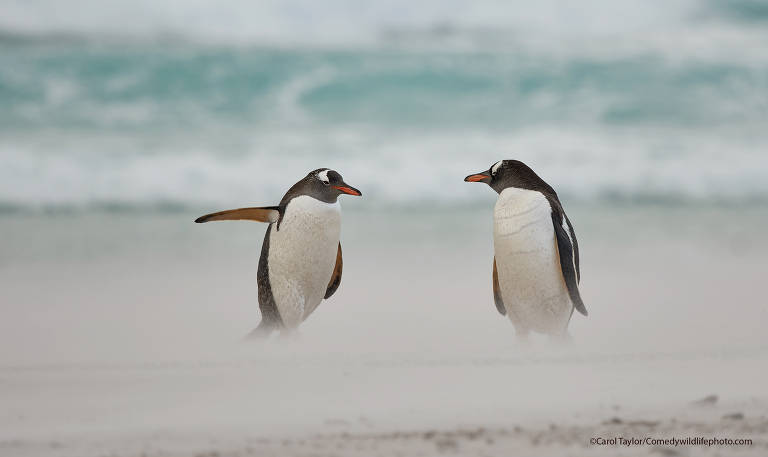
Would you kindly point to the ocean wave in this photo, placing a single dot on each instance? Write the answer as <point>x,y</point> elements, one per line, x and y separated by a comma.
<point>391,167</point>
<point>606,27</point>
<point>176,107</point>
<point>171,87</point>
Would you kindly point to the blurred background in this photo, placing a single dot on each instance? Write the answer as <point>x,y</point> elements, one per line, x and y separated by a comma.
<point>122,121</point>
<point>145,104</point>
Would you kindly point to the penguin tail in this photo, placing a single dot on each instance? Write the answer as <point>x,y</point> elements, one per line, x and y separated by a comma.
<point>579,305</point>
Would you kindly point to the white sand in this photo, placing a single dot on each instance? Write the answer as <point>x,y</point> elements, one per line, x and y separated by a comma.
<point>120,336</point>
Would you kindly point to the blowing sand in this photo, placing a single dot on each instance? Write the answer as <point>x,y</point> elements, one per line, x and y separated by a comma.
<point>121,337</point>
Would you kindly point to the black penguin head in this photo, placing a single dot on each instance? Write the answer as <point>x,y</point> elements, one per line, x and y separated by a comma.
<point>511,173</point>
<point>326,185</point>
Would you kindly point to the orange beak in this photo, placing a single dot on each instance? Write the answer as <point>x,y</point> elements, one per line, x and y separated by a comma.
<point>478,177</point>
<point>348,190</point>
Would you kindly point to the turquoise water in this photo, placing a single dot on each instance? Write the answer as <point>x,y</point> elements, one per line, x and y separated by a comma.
<point>672,108</point>
<point>167,86</point>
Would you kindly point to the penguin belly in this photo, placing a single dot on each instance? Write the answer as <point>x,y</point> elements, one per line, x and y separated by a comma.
<point>528,264</point>
<point>302,256</point>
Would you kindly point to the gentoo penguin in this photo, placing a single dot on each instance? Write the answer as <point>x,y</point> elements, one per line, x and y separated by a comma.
<point>536,256</point>
<point>300,261</point>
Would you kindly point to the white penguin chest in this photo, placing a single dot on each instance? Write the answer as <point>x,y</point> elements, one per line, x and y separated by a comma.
<point>526,255</point>
<point>302,255</point>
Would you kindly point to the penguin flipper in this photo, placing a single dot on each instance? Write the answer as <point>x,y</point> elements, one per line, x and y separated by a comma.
<point>333,284</point>
<point>567,255</point>
<point>268,214</point>
<point>497,291</point>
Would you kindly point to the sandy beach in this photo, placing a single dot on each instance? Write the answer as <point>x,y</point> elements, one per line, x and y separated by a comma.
<point>123,331</point>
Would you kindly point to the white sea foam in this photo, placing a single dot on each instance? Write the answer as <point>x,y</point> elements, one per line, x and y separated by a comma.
<point>399,170</point>
<point>665,101</point>
<point>692,28</point>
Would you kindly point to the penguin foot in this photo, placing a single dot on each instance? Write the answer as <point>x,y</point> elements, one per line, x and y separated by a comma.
<point>290,335</point>
<point>261,332</point>
<point>561,338</point>
<point>522,336</point>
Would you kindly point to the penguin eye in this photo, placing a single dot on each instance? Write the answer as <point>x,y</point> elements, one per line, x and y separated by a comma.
<point>325,182</point>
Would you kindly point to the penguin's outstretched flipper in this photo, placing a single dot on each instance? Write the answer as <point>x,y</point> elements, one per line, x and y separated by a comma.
<point>268,214</point>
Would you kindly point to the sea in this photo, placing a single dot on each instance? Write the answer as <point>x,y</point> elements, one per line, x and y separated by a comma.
<point>169,106</point>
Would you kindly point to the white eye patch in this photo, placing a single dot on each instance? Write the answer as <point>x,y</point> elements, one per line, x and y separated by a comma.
<point>495,167</point>
<point>323,176</point>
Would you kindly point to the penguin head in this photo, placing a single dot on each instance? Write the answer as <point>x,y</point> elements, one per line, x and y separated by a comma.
<point>326,185</point>
<point>510,173</point>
